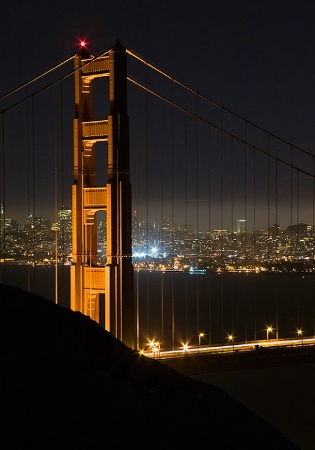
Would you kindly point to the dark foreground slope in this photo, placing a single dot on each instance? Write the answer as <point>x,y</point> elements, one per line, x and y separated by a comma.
<point>68,384</point>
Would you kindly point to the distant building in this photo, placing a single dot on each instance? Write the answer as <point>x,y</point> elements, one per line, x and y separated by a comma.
<point>64,223</point>
<point>65,232</point>
<point>240,226</point>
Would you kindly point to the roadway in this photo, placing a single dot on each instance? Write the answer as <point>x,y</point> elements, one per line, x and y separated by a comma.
<point>154,350</point>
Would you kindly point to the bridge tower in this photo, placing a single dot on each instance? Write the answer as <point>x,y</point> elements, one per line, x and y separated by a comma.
<point>105,293</point>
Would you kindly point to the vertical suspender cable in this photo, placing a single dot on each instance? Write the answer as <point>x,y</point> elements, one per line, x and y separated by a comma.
<point>31,195</point>
<point>232,194</point>
<point>56,229</point>
<point>172,217</point>
<point>186,309</point>
<point>137,311</point>
<point>62,166</point>
<point>162,215</point>
<point>221,188</point>
<point>298,234</point>
<point>313,203</point>
<point>29,158</point>
<point>147,193</point>
<point>33,180</point>
<point>291,201</point>
<point>162,307</point>
<point>277,238</point>
<point>197,213</point>
<point>255,231</point>
<point>298,208</point>
<point>298,229</point>
<point>209,228</point>
<point>173,313</point>
<point>250,253</point>
<point>62,224</point>
<point>254,196</point>
<point>136,238</point>
<point>56,215</point>
<point>221,223</point>
<point>2,201</point>
<point>197,176</point>
<point>268,196</point>
<point>313,226</point>
<point>232,221</point>
<point>161,228</point>
<point>276,199</point>
<point>245,195</point>
<point>186,226</point>
<point>185,187</point>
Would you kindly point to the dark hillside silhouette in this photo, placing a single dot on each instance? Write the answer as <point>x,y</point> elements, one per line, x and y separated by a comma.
<point>68,384</point>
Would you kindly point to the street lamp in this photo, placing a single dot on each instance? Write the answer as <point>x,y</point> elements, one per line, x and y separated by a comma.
<point>185,348</point>
<point>231,339</point>
<point>200,335</point>
<point>155,348</point>
<point>269,330</point>
<point>300,333</point>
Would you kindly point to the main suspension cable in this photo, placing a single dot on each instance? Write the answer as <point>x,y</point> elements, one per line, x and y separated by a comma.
<point>53,83</point>
<point>220,129</point>
<point>27,83</point>
<point>207,99</point>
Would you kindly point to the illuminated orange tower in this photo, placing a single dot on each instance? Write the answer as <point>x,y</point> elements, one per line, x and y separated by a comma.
<point>105,293</point>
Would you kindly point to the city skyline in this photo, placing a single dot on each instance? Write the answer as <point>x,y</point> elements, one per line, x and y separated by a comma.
<point>166,246</point>
<point>240,225</point>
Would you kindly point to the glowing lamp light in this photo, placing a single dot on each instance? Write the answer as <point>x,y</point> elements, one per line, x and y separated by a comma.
<point>269,329</point>
<point>200,335</point>
<point>231,339</point>
<point>82,43</point>
<point>300,333</point>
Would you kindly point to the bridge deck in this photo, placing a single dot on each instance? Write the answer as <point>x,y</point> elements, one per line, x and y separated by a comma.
<point>255,359</point>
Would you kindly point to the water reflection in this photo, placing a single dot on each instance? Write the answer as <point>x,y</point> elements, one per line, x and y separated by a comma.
<point>173,308</point>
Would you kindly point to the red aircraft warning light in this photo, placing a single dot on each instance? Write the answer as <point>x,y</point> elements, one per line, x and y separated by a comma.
<point>83,49</point>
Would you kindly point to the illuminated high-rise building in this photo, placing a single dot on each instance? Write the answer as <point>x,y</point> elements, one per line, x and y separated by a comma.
<point>240,225</point>
<point>65,224</point>
<point>64,233</point>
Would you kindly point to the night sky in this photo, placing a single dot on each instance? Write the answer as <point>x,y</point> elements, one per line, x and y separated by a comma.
<point>254,58</point>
